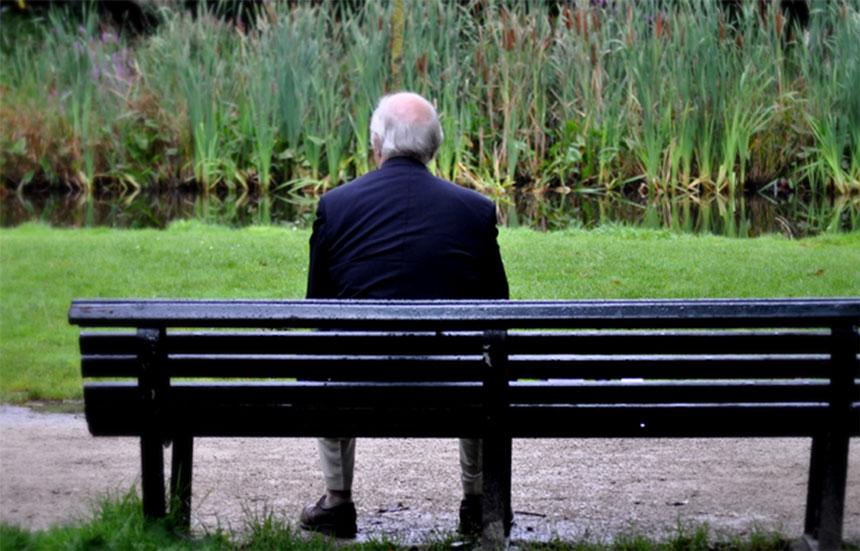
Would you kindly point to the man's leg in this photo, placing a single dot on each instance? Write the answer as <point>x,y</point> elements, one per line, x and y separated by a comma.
<point>334,513</point>
<point>337,459</point>
<point>471,475</point>
<point>470,466</point>
<point>472,480</point>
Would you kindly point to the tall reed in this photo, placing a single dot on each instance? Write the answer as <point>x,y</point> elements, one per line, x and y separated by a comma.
<point>660,99</point>
<point>365,70</point>
<point>203,77</point>
<point>832,78</point>
<point>261,72</point>
<point>76,69</point>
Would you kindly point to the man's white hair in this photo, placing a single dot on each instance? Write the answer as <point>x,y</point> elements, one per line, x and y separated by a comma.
<point>405,124</point>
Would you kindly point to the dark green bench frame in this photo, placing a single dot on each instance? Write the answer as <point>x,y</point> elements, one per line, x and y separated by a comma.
<point>491,369</point>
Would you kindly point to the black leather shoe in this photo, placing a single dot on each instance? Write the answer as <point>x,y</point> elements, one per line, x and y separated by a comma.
<point>338,521</point>
<point>471,511</point>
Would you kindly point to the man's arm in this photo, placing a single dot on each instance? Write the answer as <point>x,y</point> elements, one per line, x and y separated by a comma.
<point>319,279</point>
<point>494,269</point>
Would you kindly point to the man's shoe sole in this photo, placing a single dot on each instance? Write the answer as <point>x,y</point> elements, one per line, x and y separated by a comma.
<point>330,530</point>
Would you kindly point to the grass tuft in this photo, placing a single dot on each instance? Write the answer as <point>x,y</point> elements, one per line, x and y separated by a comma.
<point>118,523</point>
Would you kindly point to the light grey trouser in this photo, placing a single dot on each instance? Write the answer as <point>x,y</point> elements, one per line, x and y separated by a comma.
<point>337,457</point>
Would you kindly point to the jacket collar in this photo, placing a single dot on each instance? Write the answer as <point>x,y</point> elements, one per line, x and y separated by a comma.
<point>403,162</point>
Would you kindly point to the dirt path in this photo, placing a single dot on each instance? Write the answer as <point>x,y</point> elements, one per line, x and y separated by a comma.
<point>52,470</point>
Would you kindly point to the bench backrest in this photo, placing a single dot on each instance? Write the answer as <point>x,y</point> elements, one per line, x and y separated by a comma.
<point>463,368</point>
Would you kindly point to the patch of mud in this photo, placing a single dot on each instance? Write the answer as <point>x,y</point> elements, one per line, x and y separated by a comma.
<point>52,471</point>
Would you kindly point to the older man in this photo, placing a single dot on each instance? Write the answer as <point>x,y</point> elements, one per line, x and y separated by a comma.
<point>400,233</point>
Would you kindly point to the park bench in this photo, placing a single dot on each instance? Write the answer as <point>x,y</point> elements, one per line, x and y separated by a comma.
<point>491,369</point>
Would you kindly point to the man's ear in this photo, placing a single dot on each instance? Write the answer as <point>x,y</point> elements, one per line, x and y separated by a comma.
<point>377,149</point>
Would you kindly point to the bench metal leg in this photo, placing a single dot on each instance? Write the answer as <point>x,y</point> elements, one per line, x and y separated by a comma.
<point>152,476</point>
<point>828,470</point>
<point>506,478</point>
<point>180,480</point>
<point>825,501</point>
<point>497,492</point>
<point>813,487</point>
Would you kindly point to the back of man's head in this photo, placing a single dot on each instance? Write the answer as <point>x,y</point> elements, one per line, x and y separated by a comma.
<point>405,124</point>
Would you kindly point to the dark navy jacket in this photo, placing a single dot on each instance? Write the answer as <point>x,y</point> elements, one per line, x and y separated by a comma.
<point>401,233</point>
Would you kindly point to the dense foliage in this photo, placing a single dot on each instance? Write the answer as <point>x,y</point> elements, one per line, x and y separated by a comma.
<point>657,98</point>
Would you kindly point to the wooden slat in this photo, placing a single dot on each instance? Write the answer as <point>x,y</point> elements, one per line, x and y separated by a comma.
<point>596,392</point>
<point>671,420</point>
<point>523,393</point>
<point>107,344</point>
<point>327,343</point>
<point>468,368</point>
<point>580,342</point>
<point>665,342</point>
<point>110,366</point>
<point>293,342</point>
<point>310,393</point>
<point>116,410</point>
<point>670,367</point>
<point>441,315</point>
<point>360,368</point>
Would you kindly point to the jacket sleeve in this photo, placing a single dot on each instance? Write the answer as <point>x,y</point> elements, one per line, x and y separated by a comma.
<point>494,269</point>
<point>319,278</point>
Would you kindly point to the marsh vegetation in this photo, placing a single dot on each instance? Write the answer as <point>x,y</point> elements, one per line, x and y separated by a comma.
<point>650,104</point>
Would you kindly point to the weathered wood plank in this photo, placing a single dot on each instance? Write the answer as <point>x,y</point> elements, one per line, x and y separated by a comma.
<point>441,315</point>
<point>519,342</point>
<point>115,409</point>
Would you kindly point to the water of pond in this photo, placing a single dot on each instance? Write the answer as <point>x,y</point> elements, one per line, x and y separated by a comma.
<point>793,214</point>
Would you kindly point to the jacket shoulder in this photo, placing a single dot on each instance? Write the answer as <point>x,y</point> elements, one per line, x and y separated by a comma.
<point>345,191</point>
<point>469,197</point>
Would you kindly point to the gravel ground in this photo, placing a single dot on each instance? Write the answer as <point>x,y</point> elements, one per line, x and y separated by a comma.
<point>52,471</point>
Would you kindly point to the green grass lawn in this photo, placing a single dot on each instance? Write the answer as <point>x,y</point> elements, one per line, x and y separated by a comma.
<point>118,524</point>
<point>43,269</point>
